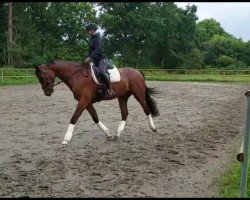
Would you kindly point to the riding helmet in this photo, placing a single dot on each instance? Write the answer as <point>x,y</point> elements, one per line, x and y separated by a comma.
<point>91,26</point>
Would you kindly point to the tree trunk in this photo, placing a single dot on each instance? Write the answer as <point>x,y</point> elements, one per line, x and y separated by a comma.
<point>162,62</point>
<point>10,35</point>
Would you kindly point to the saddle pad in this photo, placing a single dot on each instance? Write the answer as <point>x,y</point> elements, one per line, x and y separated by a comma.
<point>113,73</point>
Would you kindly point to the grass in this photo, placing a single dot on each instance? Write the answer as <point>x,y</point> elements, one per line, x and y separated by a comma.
<point>200,77</point>
<point>14,76</point>
<point>18,81</point>
<point>229,184</point>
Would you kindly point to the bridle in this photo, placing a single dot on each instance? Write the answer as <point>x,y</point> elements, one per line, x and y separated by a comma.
<point>66,78</point>
<point>48,82</point>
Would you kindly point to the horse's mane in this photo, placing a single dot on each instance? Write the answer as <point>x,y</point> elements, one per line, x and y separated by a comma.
<point>53,62</point>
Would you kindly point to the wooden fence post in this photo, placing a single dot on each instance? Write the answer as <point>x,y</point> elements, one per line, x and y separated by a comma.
<point>2,75</point>
<point>27,76</point>
<point>244,169</point>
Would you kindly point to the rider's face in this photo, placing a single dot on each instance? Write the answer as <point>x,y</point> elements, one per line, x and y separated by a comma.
<point>91,32</point>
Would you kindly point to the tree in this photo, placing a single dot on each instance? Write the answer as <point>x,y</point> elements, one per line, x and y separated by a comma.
<point>137,34</point>
<point>3,33</point>
<point>221,48</point>
<point>207,28</point>
<point>10,35</point>
<point>48,30</point>
<point>148,33</point>
<point>193,59</point>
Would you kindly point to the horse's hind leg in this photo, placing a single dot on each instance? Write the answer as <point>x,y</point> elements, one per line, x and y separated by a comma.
<point>124,112</point>
<point>140,96</point>
<point>94,116</point>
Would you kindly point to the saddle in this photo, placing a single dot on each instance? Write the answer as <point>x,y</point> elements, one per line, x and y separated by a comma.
<point>112,71</point>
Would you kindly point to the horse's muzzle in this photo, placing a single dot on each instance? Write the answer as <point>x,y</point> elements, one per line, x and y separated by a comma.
<point>49,92</point>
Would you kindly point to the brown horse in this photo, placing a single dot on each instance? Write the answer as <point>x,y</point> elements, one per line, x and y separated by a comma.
<point>80,81</point>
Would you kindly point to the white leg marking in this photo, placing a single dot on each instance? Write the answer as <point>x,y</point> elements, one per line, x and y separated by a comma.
<point>120,128</point>
<point>151,123</point>
<point>68,134</point>
<point>103,128</point>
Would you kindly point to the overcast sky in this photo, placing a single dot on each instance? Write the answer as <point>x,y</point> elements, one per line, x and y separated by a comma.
<point>234,17</point>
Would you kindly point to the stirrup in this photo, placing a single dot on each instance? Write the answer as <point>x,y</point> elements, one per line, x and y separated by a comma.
<point>109,93</point>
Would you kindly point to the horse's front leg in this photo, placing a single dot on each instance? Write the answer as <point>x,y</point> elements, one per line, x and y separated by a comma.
<point>79,109</point>
<point>94,116</point>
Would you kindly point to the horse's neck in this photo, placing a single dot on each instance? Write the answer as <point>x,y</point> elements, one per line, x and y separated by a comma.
<point>67,74</point>
<point>63,72</point>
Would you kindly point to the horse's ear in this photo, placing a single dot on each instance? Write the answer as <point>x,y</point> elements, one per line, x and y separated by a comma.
<point>51,62</point>
<point>37,69</point>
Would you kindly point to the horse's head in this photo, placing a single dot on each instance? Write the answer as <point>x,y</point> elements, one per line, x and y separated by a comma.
<point>46,78</point>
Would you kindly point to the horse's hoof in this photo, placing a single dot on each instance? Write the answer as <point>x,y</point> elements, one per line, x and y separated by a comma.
<point>65,142</point>
<point>155,129</point>
<point>109,138</point>
<point>115,139</point>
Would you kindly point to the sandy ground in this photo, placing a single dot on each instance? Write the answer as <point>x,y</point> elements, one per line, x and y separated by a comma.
<point>199,134</point>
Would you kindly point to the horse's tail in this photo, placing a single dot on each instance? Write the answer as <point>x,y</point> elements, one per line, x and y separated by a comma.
<point>150,101</point>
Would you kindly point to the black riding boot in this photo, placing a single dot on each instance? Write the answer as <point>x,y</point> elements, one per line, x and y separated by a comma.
<point>108,91</point>
<point>103,64</point>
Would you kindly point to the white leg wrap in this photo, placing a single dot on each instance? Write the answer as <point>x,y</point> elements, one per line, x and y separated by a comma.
<point>68,134</point>
<point>103,128</point>
<point>151,123</point>
<point>121,127</point>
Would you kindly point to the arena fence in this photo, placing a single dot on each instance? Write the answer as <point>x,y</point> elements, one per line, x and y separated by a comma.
<point>14,74</point>
<point>194,71</point>
<point>27,74</point>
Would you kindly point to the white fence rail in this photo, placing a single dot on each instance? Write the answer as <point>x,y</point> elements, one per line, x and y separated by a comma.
<point>11,73</point>
<point>196,71</point>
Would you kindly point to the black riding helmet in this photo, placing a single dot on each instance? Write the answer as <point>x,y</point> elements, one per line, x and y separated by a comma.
<point>91,26</point>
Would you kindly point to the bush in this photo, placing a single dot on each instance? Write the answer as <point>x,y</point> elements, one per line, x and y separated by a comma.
<point>194,60</point>
<point>237,65</point>
<point>224,61</point>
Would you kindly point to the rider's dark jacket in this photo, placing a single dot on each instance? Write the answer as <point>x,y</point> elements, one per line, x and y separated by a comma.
<point>96,52</point>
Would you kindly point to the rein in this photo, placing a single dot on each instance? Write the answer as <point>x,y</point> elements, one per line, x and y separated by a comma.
<point>66,78</point>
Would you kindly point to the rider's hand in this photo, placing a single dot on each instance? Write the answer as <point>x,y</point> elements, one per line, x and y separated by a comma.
<point>87,60</point>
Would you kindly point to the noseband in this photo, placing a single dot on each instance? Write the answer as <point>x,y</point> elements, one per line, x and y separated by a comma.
<point>48,82</point>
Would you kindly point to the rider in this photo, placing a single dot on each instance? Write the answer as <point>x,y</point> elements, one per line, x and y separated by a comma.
<point>98,57</point>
